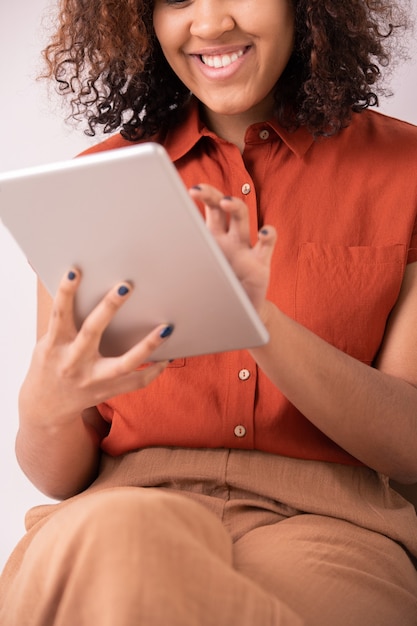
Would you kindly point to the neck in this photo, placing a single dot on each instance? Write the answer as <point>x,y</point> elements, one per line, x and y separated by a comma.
<point>233,128</point>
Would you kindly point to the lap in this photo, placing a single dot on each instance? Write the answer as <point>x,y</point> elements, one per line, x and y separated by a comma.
<point>113,514</point>
<point>126,554</point>
<point>326,570</point>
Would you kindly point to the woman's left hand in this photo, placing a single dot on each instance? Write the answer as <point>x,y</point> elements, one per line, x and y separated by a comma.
<point>227,218</point>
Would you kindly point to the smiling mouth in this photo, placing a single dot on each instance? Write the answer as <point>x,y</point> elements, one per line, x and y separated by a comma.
<point>221,60</point>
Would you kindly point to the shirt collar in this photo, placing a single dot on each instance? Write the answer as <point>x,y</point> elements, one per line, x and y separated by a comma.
<point>185,135</point>
<point>298,141</point>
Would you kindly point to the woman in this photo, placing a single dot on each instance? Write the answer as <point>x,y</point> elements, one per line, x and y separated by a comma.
<point>247,487</point>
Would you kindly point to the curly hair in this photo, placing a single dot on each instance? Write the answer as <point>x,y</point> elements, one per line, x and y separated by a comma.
<point>106,59</point>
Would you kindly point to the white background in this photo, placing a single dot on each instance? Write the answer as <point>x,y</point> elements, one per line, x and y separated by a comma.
<point>32,132</point>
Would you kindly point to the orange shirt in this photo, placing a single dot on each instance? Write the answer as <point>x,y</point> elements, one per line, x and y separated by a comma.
<point>345,211</point>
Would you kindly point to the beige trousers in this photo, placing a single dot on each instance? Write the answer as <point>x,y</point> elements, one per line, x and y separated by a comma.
<point>173,537</point>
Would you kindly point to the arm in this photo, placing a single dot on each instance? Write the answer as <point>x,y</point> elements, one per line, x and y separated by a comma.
<point>60,429</point>
<point>370,412</point>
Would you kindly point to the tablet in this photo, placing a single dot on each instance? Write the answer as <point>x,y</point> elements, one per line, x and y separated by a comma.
<point>126,215</point>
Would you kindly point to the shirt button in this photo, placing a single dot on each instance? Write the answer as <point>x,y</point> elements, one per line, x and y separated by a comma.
<point>240,431</point>
<point>244,374</point>
<point>245,189</point>
<point>264,134</point>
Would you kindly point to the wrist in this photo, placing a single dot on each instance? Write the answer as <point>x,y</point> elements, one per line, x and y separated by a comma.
<point>265,312</point>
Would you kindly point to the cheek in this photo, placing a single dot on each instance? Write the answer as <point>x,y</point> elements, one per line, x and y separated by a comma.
<point>284,26</point>
<point>161,28</point>
<point>167,40</point>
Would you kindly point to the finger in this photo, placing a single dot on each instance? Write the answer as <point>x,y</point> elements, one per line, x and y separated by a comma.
<point>143,351</point>
<point>264,247</point>
<point>61,325</point>
<point>133,380</point>
<point>216,219</point>
<point>144,377</point>
<point>239,218</point>
<point>94,325</point>
<point>139,354</point>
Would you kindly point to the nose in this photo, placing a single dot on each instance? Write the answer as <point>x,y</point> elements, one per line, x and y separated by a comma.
<point>211,18</point>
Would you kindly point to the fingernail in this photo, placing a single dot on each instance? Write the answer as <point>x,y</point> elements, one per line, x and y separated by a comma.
<point>123,290</point>
<point>196,187</point>
<point>227,198</point>
<point>166,332</point>
<point>71,275</point>
<point>264,231</point>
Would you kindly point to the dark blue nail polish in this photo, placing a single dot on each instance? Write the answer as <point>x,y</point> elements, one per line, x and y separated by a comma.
<point>166,332</point>
<point>197,187</point>
<point>227,198</point>
<point>264,231</point>
<point>71,275</point>
<point>123,290</point>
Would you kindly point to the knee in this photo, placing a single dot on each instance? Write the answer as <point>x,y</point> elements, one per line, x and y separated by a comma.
<point>139,515</point>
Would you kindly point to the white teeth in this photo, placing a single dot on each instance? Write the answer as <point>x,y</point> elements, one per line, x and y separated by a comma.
<point>224,60</point>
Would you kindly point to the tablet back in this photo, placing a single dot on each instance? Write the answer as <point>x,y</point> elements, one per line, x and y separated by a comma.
<point>126,215</point>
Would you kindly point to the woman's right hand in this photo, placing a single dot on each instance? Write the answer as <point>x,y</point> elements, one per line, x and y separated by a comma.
<point>58,440</point>
<point>68,374</point>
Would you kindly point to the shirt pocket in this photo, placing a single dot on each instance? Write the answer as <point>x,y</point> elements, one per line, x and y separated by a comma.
<point>345,294</point>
